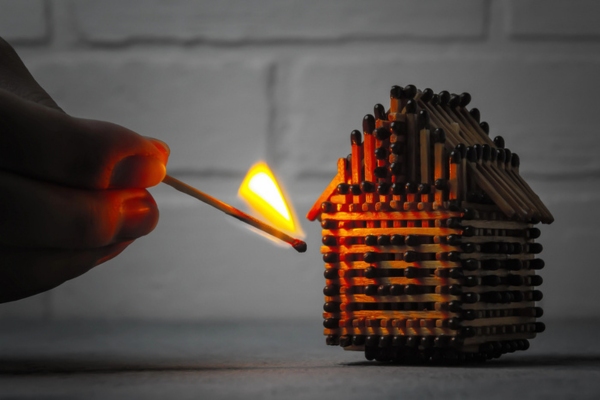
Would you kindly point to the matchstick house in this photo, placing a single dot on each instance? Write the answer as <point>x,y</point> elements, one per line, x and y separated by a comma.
<point>429,238</point>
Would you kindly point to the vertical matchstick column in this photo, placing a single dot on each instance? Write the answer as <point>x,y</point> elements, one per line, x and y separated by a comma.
<point>455,163</point>
<point>461,178</point>
<point>382,145</point>
<point>357,160</point>
<point>440,162</point>
<point>411,141</point>
<point>396,96</point>
<point>425,163</point>
<point>369,166</point>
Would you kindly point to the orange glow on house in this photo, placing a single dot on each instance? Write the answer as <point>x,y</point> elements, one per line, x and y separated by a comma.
<point>264,196</point>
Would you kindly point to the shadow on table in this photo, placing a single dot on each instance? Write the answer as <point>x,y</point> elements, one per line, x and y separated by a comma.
<point>57,365</point>
<point>527,361</point>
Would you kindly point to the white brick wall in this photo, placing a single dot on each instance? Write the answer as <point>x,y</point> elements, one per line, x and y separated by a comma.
<point>116,21</point>
<point>226,84</point>
<point>24,21</point>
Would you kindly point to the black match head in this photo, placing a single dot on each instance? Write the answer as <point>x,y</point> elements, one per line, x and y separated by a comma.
<point>397,240</point>
<point>368,123</point>
<point>441,184</point>
<point>424,188</point>
<point>479,149</point>
<point>424,119</point>
<point>382,133</point>
<point>412,240</point>
<point>397,188</point>
<point>454,101</point>
<point>486,154</point>
<point>355,189</point>
<point>465,99</point>
<point>356,137</point>
<point>485,127</point>
<point>439,136</point>
<point>379,111</point>
<point>367,187</point>
<point>371,240</point>
<point>411,187</point>
<point>501,156</point>
<point>381,153</point>
<point>397,127</point>
<point>462,149</point>
<point>444,97</point>
<point>515,160</point>
<point>396,148</point>
<point>329,240</point>
<point>383,240</point>
<point>396,92</point>
<point>455,157</point>
<point>427,95</point>
<point>499,142</point>
<point>435,100</point>
<point>471,154</point>
<point>411,107</point>
<point>396,168</point>
<point>343,188</point>
<point>383,188</point>
<point>507,156</point>
<point>299,246</point>
<point>410,91</point>
<point>475,114</point>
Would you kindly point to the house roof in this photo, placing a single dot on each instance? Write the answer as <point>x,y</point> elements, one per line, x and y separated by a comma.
<point>424,118</point>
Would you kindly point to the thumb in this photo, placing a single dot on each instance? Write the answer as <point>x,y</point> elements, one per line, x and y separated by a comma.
<point>46,144</point>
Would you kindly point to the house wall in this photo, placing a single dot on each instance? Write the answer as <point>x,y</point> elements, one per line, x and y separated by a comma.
<point>228,83</point>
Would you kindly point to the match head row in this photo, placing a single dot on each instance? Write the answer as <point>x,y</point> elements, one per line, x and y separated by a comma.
<point>485,153</point>
<point>384,133</point>
<point>443,98</point>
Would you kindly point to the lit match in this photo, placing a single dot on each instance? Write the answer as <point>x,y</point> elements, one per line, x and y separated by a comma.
<point>297,244</point>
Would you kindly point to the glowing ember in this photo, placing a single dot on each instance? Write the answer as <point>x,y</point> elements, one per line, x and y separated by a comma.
<point>264,196</point>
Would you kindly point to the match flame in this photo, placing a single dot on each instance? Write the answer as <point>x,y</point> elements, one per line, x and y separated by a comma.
<point>265,197</point>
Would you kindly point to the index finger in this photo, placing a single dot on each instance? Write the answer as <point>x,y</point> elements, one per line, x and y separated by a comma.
<point>46,144</point>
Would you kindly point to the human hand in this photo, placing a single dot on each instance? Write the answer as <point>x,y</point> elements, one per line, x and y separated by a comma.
<point>72,191</point>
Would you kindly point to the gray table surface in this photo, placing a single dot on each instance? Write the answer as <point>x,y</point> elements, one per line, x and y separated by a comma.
<point>271,360</point>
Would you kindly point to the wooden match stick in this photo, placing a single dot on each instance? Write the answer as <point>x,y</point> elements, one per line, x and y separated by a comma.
<point>297,244</point>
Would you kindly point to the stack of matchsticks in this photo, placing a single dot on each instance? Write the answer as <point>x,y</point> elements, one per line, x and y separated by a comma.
<point>429,244</point>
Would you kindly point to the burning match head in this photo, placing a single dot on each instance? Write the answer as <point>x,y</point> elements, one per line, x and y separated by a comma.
<point>299,245</point>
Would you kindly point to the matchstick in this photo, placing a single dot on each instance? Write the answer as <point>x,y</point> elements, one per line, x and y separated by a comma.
<point>297,244</point>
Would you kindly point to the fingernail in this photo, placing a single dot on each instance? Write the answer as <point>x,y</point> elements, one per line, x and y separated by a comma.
<point>138,172</point>
<point>160,145</point>
<point>139,216</point>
